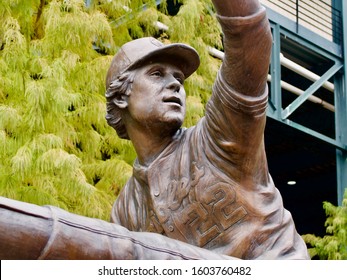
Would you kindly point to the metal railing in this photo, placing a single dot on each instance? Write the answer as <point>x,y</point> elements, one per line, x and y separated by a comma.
<point>318,16</point>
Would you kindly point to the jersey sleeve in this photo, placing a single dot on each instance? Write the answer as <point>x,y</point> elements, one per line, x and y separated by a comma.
<point>247,49</point>
<point>236,113</point>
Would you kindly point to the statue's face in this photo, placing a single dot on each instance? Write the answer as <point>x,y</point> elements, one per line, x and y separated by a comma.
<point>157,97</point>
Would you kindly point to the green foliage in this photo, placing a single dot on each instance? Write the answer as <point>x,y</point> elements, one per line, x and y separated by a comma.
<point>55,145</point>
<point>332,246</point>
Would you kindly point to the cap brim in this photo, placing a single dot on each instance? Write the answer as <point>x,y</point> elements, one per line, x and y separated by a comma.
<point>181,55</point>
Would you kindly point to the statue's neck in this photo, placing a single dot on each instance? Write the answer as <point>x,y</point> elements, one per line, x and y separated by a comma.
<point>148,147</point>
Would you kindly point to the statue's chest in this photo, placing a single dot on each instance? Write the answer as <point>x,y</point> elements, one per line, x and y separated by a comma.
<point>197,208</point>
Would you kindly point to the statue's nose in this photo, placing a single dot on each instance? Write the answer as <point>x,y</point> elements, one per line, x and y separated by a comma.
<point>173,84</point>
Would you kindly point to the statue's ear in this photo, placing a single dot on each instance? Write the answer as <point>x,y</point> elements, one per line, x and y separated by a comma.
<point>121,101</point>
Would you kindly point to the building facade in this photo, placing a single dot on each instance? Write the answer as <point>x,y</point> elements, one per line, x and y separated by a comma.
<point>306,136</point>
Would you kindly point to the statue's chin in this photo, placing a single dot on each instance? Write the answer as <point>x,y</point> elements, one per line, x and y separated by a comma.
<point>170,126</point>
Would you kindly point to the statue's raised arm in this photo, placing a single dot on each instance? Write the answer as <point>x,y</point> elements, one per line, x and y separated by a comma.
<point>247,45</point>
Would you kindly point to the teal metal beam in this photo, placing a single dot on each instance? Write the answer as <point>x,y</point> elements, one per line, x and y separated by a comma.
<point>341,114</point>
<point>275,100</point>
<point>311,132</point>
<point>326,52</point>
<point>340,128</point>
<point>311,90</point>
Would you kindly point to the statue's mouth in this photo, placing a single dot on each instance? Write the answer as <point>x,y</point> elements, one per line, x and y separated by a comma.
<point>172,99</point>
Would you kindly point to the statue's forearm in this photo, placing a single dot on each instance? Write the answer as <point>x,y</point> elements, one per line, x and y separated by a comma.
<point>247,45</point>
<point>28,231</point>
<point>24,232</point>
<point>235,8</point>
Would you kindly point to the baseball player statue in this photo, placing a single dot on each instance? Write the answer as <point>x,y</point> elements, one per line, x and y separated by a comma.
<point>198,193</point>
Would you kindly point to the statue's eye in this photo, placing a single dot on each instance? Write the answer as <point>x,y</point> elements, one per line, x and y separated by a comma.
<point>156,73</point>
<point>179,79</point>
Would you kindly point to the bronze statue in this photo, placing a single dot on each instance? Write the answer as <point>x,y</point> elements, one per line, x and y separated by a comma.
<point>207,185</point>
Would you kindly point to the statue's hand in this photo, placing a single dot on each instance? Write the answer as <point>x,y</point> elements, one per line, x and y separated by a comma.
<point>236,8</point>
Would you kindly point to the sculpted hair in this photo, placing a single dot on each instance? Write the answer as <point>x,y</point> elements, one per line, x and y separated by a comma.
<point>117,88</point>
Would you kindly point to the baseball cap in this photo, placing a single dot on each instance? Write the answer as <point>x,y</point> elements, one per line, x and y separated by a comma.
<point>139,52</point>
